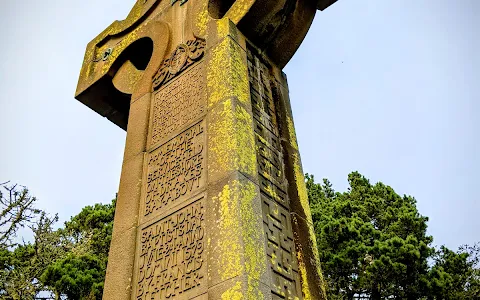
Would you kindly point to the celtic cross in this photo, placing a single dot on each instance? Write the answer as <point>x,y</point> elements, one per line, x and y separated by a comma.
<point>212,202</point>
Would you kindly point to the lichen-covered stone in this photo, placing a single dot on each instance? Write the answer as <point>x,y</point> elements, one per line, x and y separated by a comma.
<point>212,201</point>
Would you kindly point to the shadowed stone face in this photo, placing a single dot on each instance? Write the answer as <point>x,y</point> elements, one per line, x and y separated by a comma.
<point>212,201</point>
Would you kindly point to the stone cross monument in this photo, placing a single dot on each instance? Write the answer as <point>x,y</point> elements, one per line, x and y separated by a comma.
<point>212,201</point>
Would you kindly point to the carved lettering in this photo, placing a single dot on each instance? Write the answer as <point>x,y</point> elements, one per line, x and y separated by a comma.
<point>171,260</point>
<point>179,103</point>
<point>176,169</point>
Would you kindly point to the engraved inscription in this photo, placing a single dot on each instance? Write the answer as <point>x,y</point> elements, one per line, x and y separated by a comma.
<point>179,103</point>
<point>171,260</point>
<point>176,169</point>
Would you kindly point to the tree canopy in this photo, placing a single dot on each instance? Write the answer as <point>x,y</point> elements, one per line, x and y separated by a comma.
<point>69,262</point>
<point>80,273</point>
<point>16,210</point>
<point>374,242</point>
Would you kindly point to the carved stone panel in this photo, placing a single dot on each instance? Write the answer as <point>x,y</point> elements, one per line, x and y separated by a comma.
<point>280,249</point>
<point>180,60</point>
<point>171,262</point>
<point>178,103</point>
<point>175,170</point>
<point>275,203</point>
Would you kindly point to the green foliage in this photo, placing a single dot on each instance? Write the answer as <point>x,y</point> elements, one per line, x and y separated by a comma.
<point>21,267</point>
<point>18,271</point>
<point>77,277</point>
<point>373,241</point>
<point>21,264</point>
<point>80,275</point>
<point>456,275</point>
<point>91,230</point>
<point>70,261</point>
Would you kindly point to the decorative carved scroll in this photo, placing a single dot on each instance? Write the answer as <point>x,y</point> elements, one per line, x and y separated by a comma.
<point>179,103</point>
<point>176,170</point>
<point>172,261</point>
<point>182,57</point>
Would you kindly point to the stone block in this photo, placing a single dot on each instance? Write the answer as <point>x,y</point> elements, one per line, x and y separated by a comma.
<point>231,141</point>
<point>238,288</point>
<point>312,281</point>
<point>227,72</point>
<point>177,104</point>
<point>126,211</point>
<point>120,266</point>
<point>137,127</point>
<point>218,30</point>
<point>237,245</point>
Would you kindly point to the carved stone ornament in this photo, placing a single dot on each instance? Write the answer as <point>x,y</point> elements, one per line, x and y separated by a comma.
<point>181,58</point>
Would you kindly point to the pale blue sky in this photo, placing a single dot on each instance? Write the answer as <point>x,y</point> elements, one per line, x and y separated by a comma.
<point>387,87</point>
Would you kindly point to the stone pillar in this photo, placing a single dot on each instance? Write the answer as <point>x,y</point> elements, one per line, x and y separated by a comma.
<point>212,201</point>
<point>222,207</point>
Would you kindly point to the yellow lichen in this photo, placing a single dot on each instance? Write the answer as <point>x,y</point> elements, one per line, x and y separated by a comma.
<point>304,280</point>
<point>303,198</point>
<point>238,10</point>
<point>201,20</point>
<point>316,258</point>
<point>264,141</point>
<point>252,235</point>
<point>238,219</point>
<point>227,74</point>
<point>301,186</point>
<point>234,293</point>
<point>223,28</point>
<point>116,27</point>
<point>291,133</point>
<point>303,273</point>
<point>272,192</point>
<point>231,140</point>
<point>118,49</point>
<point>228,225</point>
